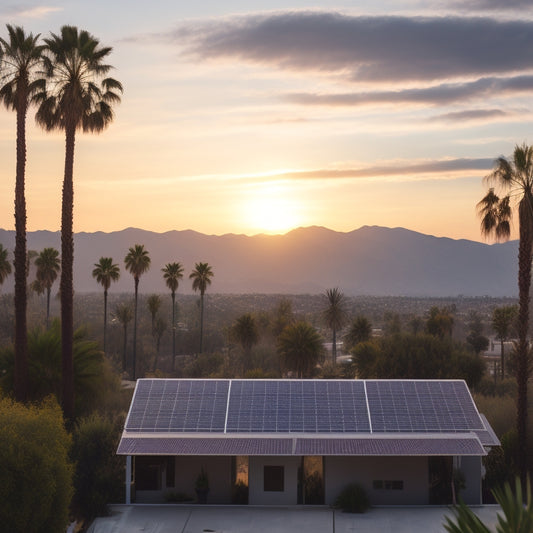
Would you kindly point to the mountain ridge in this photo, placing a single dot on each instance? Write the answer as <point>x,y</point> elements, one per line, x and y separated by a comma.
<point>371,260</point>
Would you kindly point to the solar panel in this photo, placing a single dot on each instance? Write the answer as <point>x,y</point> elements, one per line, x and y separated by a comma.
<point>421,406</point>
<point>297,406</point>
<point>176,405</point>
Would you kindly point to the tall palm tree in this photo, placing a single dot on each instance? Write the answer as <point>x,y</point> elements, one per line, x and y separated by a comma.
<point>104,272</point>
<point>5,264</point>
<point>172,273</point>
<point>48,266</point>
<point>335,316</point>
<point>137,263</point>
<point>160,326</point>
<point>503,319</point>
<point>154,304</point>
<point>246,333</point>
<point>515,177</point>
<point>300,348</point>
<point>20,58</point>
<point>124,314</point>
<point>78,97</point>
<point>201,279</point>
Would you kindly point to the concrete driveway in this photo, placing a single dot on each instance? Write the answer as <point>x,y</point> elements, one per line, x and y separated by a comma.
<point>237,519</point>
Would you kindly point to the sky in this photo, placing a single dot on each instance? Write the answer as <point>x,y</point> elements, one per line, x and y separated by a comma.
<point>263,116</point>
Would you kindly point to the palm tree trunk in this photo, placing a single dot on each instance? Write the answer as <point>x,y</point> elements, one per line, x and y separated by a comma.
<point>134,363</point>
<point>66,283</point>
<point>21,335</point>
<point>105,317</point>
<point>48,291</point>
<point>173,332</point>
<point>502,357</point>
<point>334,348</point>
<point>522,367</point>
<point>201,321</point>
<point>124,363</point>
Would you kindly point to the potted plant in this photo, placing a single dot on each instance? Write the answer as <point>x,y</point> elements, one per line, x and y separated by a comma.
<point>202,486</point>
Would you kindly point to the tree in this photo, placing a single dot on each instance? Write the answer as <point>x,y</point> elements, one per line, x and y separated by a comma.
<point>335,316</point>
<point>79,97</point>
<point>105,272</point>
<point>124,314</point>
<point>515,175</point>
<point>201,279</point>
<point>160,326</point>
<point>440,322</point>
<point>244,330</point>
<point>137,263</point>
<point>5,265</point>
<point>172,273</point>
<point>360,331</point>
<point>154,303</point>
<point>503,319</point>
<point>300,348</point>
<point>34,447</point>
<point>20,60</point>
<point>475,337</point>
<point>48,266</point>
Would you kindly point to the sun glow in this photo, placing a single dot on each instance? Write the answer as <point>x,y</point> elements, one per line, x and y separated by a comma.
<point>272,208</point>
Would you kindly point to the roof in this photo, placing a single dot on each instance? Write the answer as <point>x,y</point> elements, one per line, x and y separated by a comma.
<point>304,417</point>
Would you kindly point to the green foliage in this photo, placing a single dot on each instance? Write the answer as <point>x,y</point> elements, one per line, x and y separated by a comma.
<point>517,515</point>
<point>353,499</point>
<point>360,331</point>
<point>408,356</point>
<point>204,365</point>
<point>99,471</point>
<point>440,322</point>
<point>36,475</point>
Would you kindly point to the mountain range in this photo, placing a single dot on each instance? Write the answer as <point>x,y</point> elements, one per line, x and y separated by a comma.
<point>371,260</point>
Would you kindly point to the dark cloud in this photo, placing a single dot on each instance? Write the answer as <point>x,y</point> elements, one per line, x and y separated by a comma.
<point>499,5</point>
<point>400,169</point>
<point>445,93</point>
<point>472,114</point>
<point>380,48</point>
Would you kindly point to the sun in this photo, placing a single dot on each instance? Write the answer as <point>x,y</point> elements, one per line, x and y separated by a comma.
<point>272,209</point>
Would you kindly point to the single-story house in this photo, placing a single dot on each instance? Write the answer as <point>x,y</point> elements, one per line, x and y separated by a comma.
<point>288,441</point>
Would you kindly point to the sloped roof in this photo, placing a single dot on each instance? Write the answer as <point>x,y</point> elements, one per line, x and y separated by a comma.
<point>304,417</point>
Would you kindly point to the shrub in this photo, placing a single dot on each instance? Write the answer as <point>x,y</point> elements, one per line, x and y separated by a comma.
<point>36,475</point>
<point>353,499</point>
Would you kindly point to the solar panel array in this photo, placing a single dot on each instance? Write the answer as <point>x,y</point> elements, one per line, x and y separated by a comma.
<point>302,406</point>
<point>317,406</point>
<point>175,405</point>
<point>421,406</point>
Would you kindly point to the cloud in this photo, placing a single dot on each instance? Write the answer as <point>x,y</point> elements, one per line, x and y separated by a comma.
<point>471,114</point>
<point>377,49</point>
<point>445,93</point>
<point>28,11</point>
<point>492,4</point>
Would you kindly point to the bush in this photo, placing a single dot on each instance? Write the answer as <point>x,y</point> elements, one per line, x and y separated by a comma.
<point>36,475</point>
<point>353,499</point>
<point>99,475</point>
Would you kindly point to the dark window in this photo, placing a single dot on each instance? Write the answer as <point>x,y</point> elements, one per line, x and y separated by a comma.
<point>273,478</point>
<point>387,484</point>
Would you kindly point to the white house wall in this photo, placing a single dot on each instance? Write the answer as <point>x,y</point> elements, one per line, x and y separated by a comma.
<point>413,471</point>
<point>257,495</point>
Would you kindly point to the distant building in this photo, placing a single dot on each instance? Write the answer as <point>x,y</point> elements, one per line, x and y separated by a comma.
<point>288,442</point>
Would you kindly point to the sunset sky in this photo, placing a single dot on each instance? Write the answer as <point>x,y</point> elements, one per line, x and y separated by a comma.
<point>259,117</point>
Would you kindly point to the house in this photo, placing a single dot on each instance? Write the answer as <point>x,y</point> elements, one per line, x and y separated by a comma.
<point>287,442</point>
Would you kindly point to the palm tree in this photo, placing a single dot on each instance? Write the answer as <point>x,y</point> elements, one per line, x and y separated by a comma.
<point>79,97</point>
<point>335,316</point>
<point>300,348</point>
<point>503,319</point>
<point>172,273</point>
<point>360,331</point>
<point>5,265</point>
<point>160,326</point>
<point>201,278</point>
<point>48,266</point>
<point>246,333</point>
<point>124,314</point>
<point>154,304</point>
<point>515,177</point>
<point>137,263</point>
<point>105,272</point>
<point>20,58</point>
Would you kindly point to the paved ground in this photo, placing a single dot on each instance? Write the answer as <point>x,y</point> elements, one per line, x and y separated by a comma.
<point>234,519</point>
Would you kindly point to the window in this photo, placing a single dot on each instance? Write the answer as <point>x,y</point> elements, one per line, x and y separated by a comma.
<point>273,478</point>
<point>387,484</point>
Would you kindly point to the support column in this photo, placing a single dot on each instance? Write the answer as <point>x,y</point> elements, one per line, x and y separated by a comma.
<point>128,479</point>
